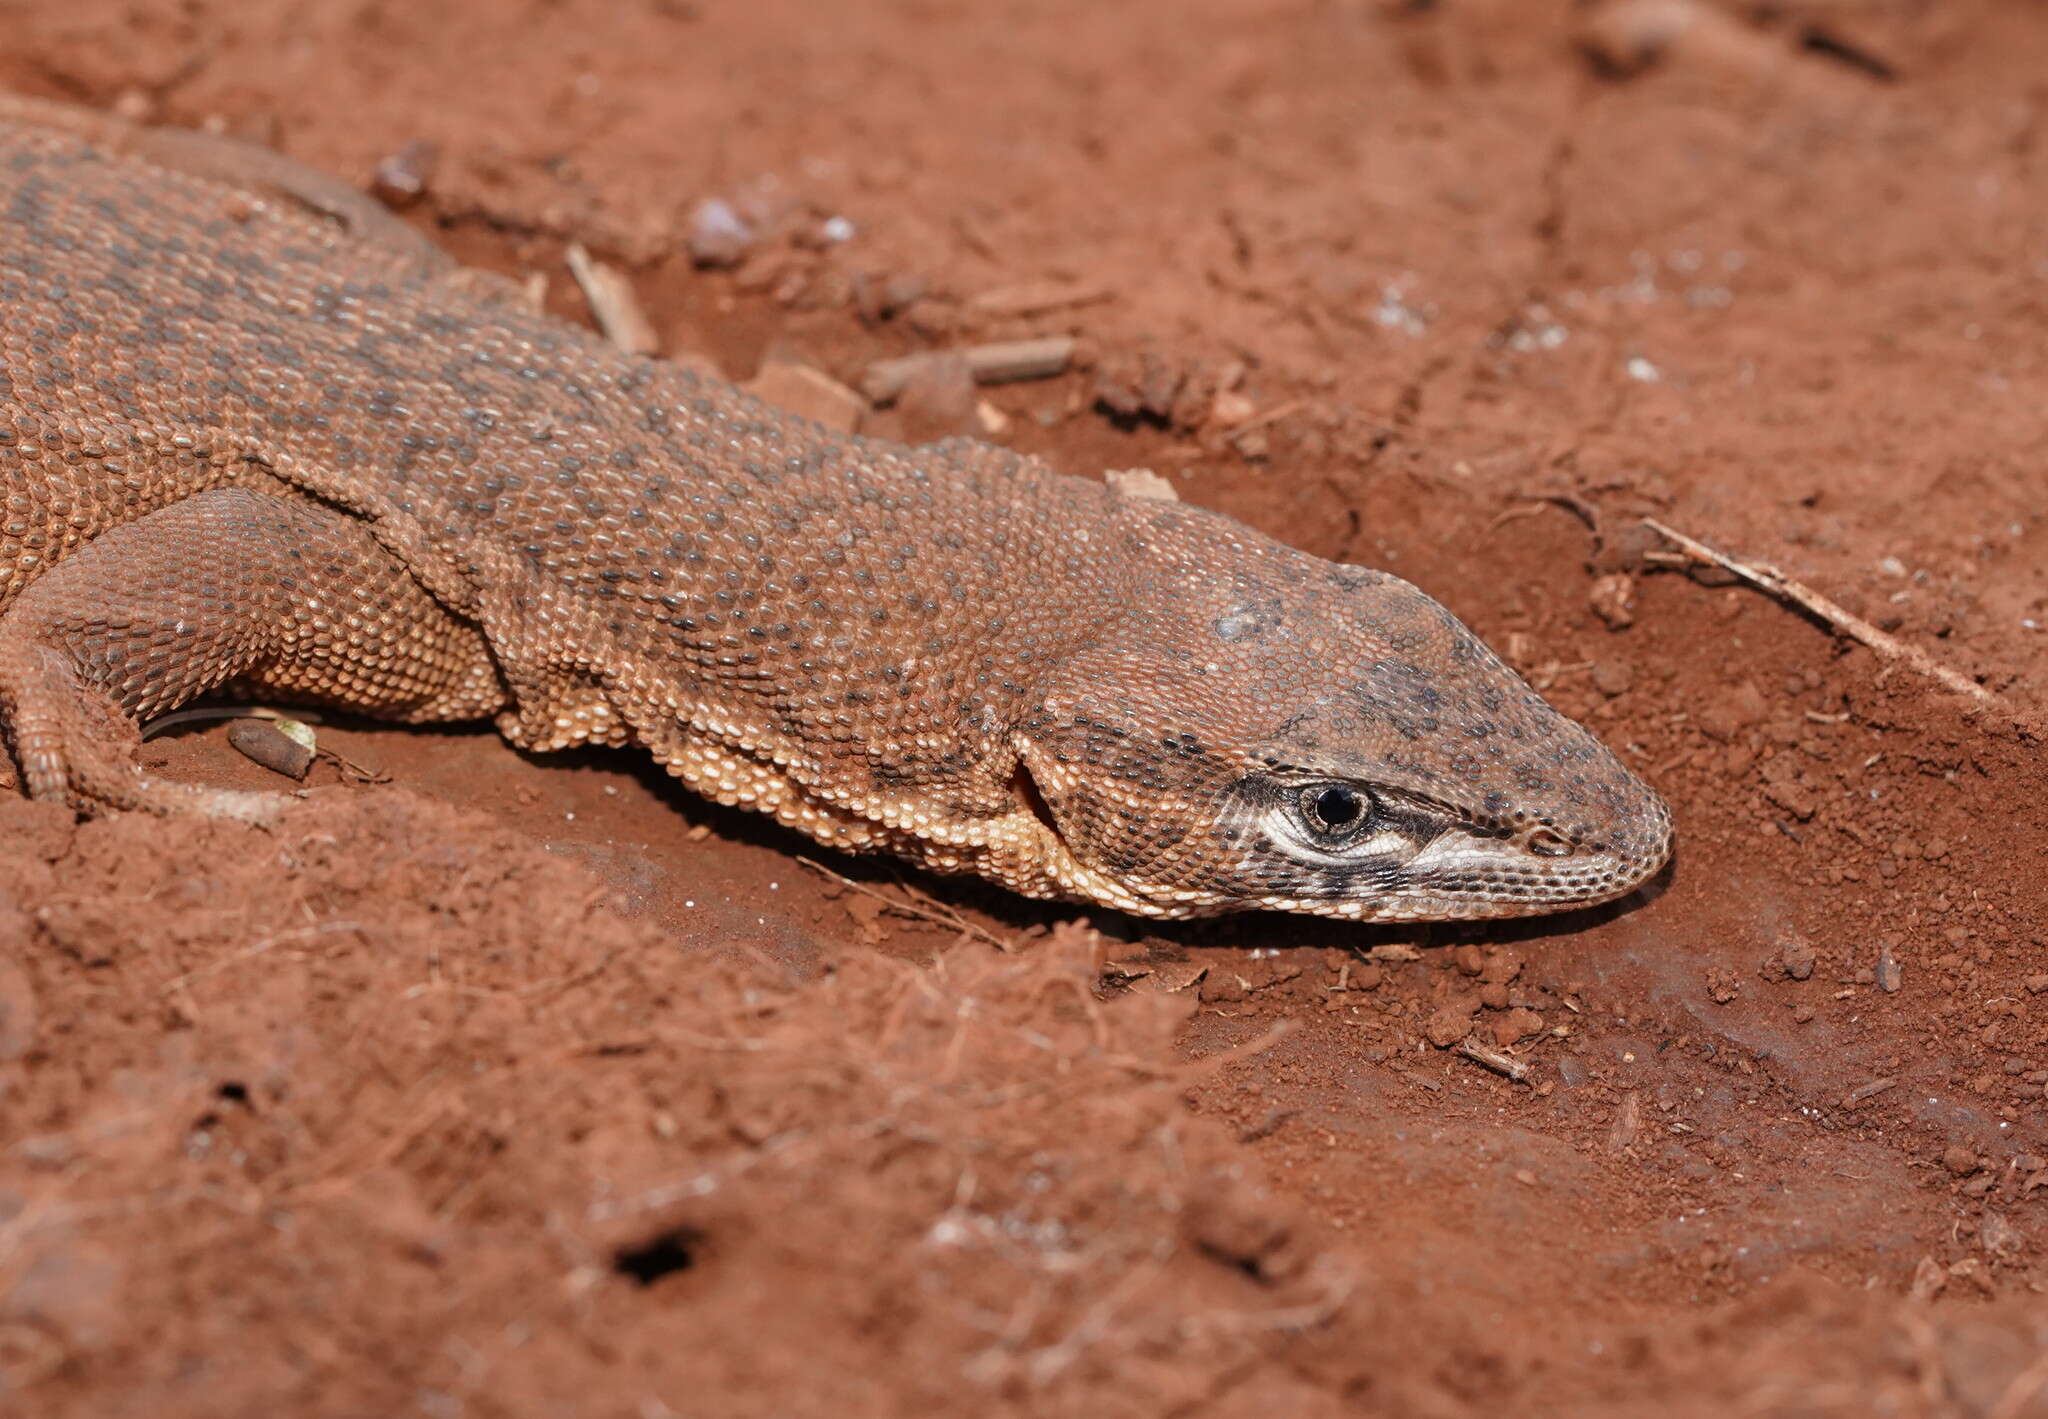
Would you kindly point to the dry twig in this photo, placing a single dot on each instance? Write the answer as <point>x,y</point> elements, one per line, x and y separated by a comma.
<point>1839,618</point>
<point>999,362</point>
<point>1499,1061</point>
<point>613,302</point>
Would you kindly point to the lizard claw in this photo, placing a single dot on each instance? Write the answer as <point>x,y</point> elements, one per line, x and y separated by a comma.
<point>71,746</point>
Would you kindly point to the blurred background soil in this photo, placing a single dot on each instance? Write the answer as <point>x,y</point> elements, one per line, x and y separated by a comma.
<point>527,1087</point>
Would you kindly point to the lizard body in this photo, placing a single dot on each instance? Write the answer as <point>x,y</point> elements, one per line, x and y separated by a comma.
<point>255,431</point>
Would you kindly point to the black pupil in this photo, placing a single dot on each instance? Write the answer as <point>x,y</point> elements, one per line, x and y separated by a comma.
<point>1338,808</point>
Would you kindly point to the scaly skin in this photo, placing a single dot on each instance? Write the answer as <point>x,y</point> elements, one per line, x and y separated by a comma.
<point>255,432</point>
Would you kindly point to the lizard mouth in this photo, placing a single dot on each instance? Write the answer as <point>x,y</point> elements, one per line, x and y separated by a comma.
<point>1551,873</point>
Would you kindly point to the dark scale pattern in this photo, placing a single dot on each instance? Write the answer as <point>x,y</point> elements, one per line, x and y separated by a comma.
<point>253,429</point>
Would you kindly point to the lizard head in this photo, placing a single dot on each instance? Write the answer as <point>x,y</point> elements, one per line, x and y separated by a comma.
<point>1264,729</point>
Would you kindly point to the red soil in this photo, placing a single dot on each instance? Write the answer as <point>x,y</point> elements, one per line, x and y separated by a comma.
<point>534,1087</point>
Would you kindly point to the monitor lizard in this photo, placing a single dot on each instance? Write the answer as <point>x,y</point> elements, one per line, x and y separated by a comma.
<point>258,433</point>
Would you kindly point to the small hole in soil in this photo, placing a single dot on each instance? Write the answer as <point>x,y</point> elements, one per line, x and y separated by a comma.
<point>233,1092</point>
<point>660,1255</point>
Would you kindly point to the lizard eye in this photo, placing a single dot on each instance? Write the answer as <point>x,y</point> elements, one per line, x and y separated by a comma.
<point>1334,812</point>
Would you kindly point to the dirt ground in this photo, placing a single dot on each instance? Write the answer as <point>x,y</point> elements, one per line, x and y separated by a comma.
<point>534,1087</point>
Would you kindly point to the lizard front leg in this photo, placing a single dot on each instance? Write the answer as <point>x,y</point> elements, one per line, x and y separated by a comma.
<point>284,596</point>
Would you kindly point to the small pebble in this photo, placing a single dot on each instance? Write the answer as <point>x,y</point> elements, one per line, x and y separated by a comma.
<point>1501,967</point>
<point>1999,1236</point>
<point>1613,599</point>
<point>882,299</point>
<point>1229,409</point>
<point>1222,987</point>
<point>1516,1025</point>
<point>1141,483</point>
<point>1613,677</point>
<point>1793,799</point>
<point>719,236</point>
<point>1449,1023</point>
<point>1961,1161</point>
<point>402,177</point>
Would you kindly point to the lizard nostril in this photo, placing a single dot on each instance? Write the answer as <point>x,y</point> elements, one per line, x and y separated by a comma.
<point>1547,842</point>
